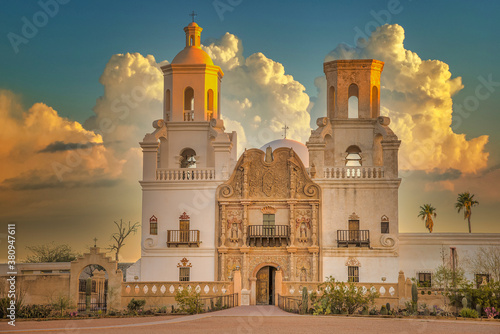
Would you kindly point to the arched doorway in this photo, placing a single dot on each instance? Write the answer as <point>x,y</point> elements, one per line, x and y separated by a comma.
<point>93,289</point>
<point>265,286</point>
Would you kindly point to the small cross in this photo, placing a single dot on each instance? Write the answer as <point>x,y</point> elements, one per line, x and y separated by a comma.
<point>95,242</point>
<point>285,128</point>
<point>193,14</point>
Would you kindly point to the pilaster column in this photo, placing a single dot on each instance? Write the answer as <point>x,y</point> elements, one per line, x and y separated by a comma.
<point>245,222</point>
<point>292,223</point>
<point>223,225</point>
<point>314,212</point>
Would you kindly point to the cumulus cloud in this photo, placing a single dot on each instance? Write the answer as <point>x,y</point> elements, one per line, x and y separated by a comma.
<point>132,100</point>
<point>41,149</point>
<point>258,97</point>
<point>417,95</point>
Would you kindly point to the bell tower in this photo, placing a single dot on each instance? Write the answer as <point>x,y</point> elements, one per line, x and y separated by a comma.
<point>191,82</point>
<point>359,78</point>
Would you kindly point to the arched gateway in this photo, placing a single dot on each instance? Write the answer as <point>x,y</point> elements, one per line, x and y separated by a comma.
<point>268,218</point>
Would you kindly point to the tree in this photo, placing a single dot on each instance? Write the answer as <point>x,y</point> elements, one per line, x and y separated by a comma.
<point>119,237</point>
<point>427,211</point>
<point>466,201</point>
<point>486,261</point>
<point>51,253</point>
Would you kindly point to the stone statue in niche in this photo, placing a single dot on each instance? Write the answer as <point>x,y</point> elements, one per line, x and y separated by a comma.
<point>233,225</point>
<point>303,223</point>
<point>303,232</point>
<point>303,274</point>
<point>234,233</point>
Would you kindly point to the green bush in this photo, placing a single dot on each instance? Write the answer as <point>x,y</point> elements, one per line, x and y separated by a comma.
<point>339,297</point>
<point>468,313</point>
<point>135,304</point>
<point>383,310</point>
<point>188,301</point>
<point>35,311</point>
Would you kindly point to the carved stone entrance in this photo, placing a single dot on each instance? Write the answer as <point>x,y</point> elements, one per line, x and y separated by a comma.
<point>265,286</point>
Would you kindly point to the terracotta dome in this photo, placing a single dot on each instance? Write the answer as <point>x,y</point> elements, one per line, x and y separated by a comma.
<point>192,55</point>
<point>298,147</point>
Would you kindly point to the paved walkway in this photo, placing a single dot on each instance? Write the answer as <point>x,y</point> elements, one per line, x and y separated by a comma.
<point>251,319</point>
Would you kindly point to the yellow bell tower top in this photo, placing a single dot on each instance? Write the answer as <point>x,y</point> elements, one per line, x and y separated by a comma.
<point>192,82</point>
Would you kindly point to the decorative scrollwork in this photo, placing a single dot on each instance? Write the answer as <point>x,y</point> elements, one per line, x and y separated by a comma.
<point>150,242</point>
<point>311,190</point>
<point>226,190</point>
<point>387,240</point>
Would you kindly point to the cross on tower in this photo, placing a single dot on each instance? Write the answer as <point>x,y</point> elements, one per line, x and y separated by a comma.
<point>193,14</point>
<point>95,242</point>
<point>285,128</point>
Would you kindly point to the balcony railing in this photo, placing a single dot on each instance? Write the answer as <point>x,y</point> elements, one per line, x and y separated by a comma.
<point>353,173</point>
<point>188,115</point>
<point>268,235</point>
<point>358,238</point>
<point>183,237</point>
<point>185,174</point>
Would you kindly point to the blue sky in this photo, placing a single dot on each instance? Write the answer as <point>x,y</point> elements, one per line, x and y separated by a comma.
<point>62,63</point>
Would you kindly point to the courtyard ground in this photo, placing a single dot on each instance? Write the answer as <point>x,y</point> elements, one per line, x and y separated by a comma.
<point>252,319</point>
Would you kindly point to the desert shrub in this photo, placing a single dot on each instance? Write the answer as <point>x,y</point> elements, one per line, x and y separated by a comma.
<point>136,304</point>
<point>339,297</point>
<point>468,313</point>
<point>35,311</point>
<point>188,301</point>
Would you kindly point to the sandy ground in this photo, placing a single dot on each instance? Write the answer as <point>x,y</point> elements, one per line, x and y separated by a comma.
<point>252,319</point>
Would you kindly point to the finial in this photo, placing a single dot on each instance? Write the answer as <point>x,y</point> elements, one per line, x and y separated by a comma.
<point>193,14</point>
<point>285,128</point>
<point>95,242</point>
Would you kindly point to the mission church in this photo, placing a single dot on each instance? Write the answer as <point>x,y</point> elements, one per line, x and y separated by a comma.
<point>326,208</point>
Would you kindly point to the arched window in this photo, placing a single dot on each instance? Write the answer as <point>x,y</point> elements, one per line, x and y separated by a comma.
<point>353,93</point>
<point>210,100</point>
<point>189,99</point>
<point>167,100</point>
<point>353,157</point>
<point>188,158</point>
<point>191,40</point>
<point>378,153</point>
<point>210,104</point>
<point>331,101</point>
<point>375,102</point>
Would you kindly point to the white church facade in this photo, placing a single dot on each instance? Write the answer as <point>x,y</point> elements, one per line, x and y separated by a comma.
<point>326,208</point>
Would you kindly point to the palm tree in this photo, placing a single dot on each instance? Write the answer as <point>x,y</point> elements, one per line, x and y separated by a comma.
<point>466,201</point>
<point>427,211</point>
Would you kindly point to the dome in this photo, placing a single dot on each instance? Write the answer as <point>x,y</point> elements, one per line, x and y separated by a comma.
<point>298,147</point>
<point>192,55</point>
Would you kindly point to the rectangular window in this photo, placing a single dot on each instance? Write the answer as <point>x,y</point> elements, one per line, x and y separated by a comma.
<point>26,272</point>
<point>482,279</point>
<point>184,274</point>
<point>153,227</point>
<point>64,271</point>
<point>384,227</point>
<point>353,274</point>
<point>46,271</point>
<point>425,280</point>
